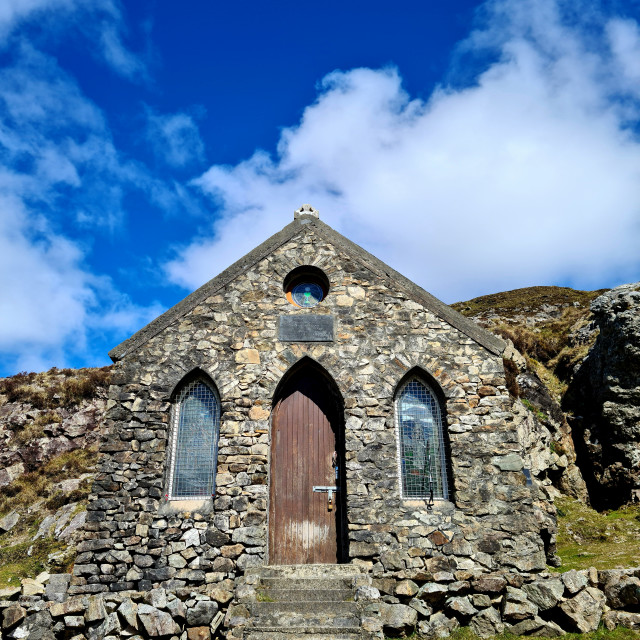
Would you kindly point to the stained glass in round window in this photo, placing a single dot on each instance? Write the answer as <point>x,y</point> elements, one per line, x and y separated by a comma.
<point>307,294</point>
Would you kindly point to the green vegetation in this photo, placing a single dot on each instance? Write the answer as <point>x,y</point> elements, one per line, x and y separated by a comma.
<point>261,596</point>
<point>587,538</point>
<point>465,633</point>
<point>32,486</point>
<point>55,388</point>
<point>545,344</point>
<point>513,303</point>
<point>25,560</point>
<point>511,377</point>
<point>541,415</point>
<point>35,497</point>
<point>35,429</point>
<point>554,384</point>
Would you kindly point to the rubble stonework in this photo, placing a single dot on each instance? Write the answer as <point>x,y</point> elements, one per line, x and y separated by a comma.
<point>384,327</point>
<point>541,604</point>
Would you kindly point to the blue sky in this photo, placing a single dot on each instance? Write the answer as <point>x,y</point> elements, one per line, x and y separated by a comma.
<point>145,146</point>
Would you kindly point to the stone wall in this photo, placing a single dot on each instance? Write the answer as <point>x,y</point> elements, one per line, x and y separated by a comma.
<point>525,604</point>
<point>136,539</point>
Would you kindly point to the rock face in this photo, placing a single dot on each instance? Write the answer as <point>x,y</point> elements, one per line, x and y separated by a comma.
<point>50,424</point>
<point>47,414</point>
<point>541,322</point>
<point>604,398</point>
<point>589,341</point>
<point>547,438</point>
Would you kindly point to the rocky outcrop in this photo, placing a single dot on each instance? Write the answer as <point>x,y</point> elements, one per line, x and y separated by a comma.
<point>538,324</point>
<point>44,415</point>
<point>546,437</point>
<point>50,423</point>
<point>603,400</point>
<point>582,350</point>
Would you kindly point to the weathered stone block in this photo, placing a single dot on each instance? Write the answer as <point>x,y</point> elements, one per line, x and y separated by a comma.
<point>545,594</point>
<point>584,611</point>
<point>12,616</point>
<point>155,622</point>
<point>487,623</point>
<point>202,613</point>
<point>574,581</point>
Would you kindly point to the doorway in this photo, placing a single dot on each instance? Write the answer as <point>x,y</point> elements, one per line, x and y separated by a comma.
<point>307,451</point>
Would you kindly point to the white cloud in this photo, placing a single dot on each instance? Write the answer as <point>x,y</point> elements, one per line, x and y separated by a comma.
<point>59,171</point>
<point>624,36</point>
<point>100,21</point>
<point>12,12</point>
<point>50,301</point>
<point>52,136</point>
<point>174,138</point>
<point>528,175</point>
<point>125,62</point>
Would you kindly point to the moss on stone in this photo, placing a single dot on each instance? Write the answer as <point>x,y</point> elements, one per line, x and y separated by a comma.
<point>33,486</point>
<point>25,560</point>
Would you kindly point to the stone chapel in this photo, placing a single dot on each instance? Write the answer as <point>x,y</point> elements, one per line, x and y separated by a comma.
<point>308,405</point>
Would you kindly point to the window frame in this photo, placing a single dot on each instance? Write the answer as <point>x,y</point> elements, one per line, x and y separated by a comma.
<point>440,427</point>
<point>176,413</point>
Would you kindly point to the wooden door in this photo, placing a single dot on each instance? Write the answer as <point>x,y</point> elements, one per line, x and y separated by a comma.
<point>302,529</point>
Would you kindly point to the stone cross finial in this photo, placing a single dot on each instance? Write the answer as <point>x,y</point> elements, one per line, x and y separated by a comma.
<point>306,210</point>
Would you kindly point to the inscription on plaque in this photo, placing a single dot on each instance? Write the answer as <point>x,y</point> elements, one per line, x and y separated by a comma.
<point>305,328</point>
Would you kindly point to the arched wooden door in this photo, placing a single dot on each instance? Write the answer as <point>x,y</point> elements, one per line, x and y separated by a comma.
<point>303,529</point>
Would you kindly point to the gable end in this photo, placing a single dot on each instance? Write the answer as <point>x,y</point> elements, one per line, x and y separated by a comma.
<point>489,341</point>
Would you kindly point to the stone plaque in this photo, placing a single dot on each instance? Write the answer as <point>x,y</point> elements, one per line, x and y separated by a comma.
<point>305,328</point>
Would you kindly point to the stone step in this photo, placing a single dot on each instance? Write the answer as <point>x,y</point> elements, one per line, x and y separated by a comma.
<point>306,571</point>
<point>306,595</point>
<point>309,602</point>
<point>315,633</point>
<point>305,584</point>
<point>290,615</point>
<point>311,608</point>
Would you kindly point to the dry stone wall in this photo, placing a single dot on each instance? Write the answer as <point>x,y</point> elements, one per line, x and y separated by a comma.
<point>541,604</point>
<point>136,539</point>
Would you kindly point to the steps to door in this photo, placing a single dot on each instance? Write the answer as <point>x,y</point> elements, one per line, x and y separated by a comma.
<point>306,602</point>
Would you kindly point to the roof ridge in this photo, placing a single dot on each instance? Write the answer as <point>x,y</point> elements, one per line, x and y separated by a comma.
<point>207,289</point>
<point>487,339</point>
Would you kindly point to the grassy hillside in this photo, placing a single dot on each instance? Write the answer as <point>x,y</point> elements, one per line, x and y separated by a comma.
<point>50,424</point>
<point>587,538</point>
<point>510,304</point>
<point>542,323</point>
<point>601,634</point>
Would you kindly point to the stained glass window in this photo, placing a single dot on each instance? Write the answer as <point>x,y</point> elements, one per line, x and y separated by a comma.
<point>423,469</point>
<point>195,442</point>
<point>307,294</point>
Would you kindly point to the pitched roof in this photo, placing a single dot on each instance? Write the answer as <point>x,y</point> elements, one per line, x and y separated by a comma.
<point>304,223</point>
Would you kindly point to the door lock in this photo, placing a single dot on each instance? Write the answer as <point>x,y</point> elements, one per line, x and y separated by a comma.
<point>329,491</point>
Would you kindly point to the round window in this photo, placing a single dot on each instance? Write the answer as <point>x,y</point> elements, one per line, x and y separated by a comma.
<point>307,294</point>
<point>306,286</point>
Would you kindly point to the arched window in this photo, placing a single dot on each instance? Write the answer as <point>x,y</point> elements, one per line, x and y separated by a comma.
<point>194,446</point>
<point>421,450</point>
